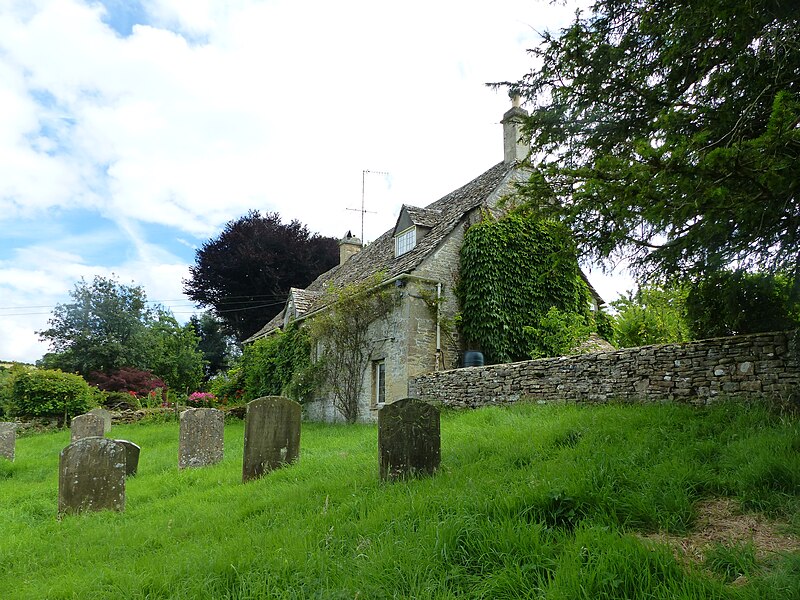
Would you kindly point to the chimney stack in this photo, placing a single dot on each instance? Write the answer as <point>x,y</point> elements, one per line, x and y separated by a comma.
<point>514,150</point>
<point>348,246</point>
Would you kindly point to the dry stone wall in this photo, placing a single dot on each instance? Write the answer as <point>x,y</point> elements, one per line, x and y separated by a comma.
<point>751,366</point>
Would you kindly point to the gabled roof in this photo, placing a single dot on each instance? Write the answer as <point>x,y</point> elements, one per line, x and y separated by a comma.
<point>440,216</point>
<point>422,217</point>
<point>302,299</point>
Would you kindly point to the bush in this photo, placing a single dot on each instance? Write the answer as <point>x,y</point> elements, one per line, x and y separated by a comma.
<point>228,387</point>
<point>127,379</point>
<point>279,365</point>
<point>45,393</point>
<point>738,302</point>
<point>201,400</point>
<point>558,332</point>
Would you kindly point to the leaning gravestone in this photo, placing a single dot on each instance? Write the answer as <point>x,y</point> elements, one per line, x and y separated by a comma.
<point>201,437</point>
<point>8,440</point>
<point>131,457</point>
<point>271,435</point>
<point>87,425</point>
<point>91,476</point>
<point>102,412</point>
<point>409,441</point>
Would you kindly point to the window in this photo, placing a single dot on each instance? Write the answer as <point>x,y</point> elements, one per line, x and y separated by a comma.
<point>378,382</point>
<point>405,241</point>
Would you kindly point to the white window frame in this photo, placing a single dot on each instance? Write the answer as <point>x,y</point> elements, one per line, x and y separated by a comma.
<point>378,382</point>
<point>405,241</point>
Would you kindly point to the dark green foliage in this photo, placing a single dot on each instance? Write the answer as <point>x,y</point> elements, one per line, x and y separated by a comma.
<point>219,349</point>
<point>653,315</point>
<point>245,273</point>
<point>44,393</point>
<point>512,272</point>
<point>174,353</point>
<point>737,302</point>
<point>229,386</point>
<point>279,365</point>
<point>668,132</point>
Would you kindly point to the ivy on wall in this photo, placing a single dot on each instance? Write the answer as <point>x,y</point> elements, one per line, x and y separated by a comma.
<point>513,271</point>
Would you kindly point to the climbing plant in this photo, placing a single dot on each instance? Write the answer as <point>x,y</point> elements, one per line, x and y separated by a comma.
<point>279,365</point>
<point>512,272</point>
<point>341,333</point>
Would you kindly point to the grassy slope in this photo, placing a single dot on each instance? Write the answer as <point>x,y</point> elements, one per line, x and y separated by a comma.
<point>531,502</point>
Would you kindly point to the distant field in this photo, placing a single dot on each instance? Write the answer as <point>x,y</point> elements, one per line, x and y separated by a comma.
<point>530,502</point>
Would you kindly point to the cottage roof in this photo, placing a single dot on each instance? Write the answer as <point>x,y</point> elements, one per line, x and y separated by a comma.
<point>302,299</point>
<point>422,217</point>
<point>440,216</point>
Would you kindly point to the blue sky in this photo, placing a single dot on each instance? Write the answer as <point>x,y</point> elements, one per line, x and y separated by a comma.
<point>134,130</point>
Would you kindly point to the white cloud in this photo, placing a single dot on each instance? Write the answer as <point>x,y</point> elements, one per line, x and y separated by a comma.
<point>219,106</point>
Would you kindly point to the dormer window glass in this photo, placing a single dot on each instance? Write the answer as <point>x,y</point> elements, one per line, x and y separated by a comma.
<point>405,241</point>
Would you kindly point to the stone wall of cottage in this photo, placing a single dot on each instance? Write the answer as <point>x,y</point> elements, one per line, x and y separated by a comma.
<point>750,366</point>
<point>389,342</point>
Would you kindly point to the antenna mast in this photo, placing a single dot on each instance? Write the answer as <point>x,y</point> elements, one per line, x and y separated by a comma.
<point>363,211</point>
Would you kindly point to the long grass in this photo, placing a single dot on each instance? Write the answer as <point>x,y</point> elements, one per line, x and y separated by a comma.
<point>530,502</point>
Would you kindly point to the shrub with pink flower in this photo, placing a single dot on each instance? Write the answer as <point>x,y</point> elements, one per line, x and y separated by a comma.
<point>201,400</point>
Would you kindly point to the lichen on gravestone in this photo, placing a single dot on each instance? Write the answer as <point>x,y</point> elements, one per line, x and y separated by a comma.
<point>201,437</point>
<point>409,439</point>
<point>8,440</point>
<point>91,476</point>
<point>271,435</point>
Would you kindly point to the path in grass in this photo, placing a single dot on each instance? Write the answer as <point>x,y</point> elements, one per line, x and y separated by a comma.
<point>530,502</point>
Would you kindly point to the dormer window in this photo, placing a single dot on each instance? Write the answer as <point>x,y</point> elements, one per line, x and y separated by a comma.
<point>405,241</point>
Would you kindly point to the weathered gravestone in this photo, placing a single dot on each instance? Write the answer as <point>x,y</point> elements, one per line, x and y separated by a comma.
<point>201,437</point>
<point>91,476</point>
<point>409,441</point>
<point>87,425</point>
<point>8,440</point>
<point>131,457</point>
<point>271,435</point>
<point>102,412</point>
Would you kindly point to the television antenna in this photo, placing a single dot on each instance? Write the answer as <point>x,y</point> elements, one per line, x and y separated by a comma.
<point>363,210</point>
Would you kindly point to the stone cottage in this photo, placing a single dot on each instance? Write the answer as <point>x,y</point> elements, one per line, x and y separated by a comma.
<point>419,258</point>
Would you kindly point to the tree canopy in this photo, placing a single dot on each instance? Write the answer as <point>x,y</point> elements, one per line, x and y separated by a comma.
<point>109,326</point>
<point>102,329</point>
<point>245,273</point>
<point>667,132</point>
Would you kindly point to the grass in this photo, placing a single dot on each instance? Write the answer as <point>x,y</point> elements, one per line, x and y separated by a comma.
<point>530,502</point>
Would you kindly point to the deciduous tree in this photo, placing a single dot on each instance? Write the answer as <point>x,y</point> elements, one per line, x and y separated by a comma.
<point>104,328</point>
<point>245,273</point>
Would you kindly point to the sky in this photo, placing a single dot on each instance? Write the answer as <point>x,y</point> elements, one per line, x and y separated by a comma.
<point>131,131</point>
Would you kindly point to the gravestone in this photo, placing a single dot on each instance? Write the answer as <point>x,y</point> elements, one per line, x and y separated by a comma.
<point>131,457</point>
<point>87,425</point>
<point>409,441</point>
<point>271,435</point>
<point>102,412</point>
<point>201,437</point>
<point>8,440</point>
<point>91,476</point>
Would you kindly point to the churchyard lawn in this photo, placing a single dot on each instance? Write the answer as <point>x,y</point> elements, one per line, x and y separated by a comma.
<point>528,502</point>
